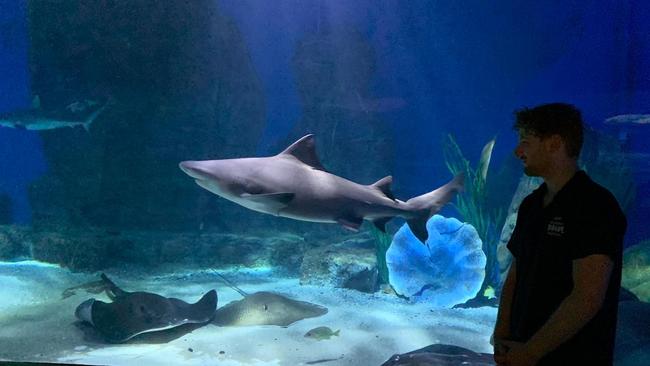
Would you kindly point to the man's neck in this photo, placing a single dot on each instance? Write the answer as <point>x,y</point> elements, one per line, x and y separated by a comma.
<point>556,179</point>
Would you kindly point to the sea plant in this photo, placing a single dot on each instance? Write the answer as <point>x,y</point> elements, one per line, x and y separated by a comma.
<point>472,205</point>
<point>382,243</point>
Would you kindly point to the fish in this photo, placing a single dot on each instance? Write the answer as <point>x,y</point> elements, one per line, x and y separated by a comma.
<point>321,333</point>
<point>266,308</point>
<point>294,184</point>
<point>636,119</point>
<point>38,119</point>
<point>94,287</point>
<point>489,293</point>
<point>134,313</point>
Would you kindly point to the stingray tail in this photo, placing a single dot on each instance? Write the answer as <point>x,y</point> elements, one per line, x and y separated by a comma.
<point>112,291</point>
<point>429,204</point>
<point>230,284</point>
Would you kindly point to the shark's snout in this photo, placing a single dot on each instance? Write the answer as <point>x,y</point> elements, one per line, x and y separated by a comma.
<point>193,169</point>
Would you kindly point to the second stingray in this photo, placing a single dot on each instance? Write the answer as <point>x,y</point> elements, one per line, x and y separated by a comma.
<point>264,308</point>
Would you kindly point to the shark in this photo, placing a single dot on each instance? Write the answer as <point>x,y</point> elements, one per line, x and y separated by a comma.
<point>634,119</point>
<point>38,119</point>
<point>294,184</point>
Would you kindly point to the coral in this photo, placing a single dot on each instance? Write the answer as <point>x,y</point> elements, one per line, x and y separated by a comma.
<point>636,270</point>
<point>349,264</point>
<point>447,270</point>
<point>525,187</point>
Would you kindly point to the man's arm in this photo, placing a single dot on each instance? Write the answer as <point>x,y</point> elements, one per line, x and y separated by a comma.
<point>502,326</point>
<point>590,281</point>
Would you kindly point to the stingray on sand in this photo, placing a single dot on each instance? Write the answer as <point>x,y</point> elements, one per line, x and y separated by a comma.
<point>264,308</point>
<point>134,313</point>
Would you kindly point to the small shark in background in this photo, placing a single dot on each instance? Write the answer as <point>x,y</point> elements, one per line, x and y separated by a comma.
<point>295,184</point>
<point>636,119</point>
<point>38,119</point>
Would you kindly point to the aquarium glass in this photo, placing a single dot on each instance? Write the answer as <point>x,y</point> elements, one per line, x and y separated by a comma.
<point>295,182</point>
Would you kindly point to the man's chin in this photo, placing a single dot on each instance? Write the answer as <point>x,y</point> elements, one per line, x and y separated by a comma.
<point>530,172</point>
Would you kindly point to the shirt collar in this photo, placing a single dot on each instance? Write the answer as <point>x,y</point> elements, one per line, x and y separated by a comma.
<point>567,190</point>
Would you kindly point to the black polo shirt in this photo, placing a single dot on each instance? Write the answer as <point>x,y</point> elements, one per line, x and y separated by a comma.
<point>583,219</point>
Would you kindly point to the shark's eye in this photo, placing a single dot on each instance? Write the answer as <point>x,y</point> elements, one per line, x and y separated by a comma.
<point>266,307</point>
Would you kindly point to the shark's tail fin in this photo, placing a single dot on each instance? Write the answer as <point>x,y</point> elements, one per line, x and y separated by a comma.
<point>95,114</point>
<point>429,204</point>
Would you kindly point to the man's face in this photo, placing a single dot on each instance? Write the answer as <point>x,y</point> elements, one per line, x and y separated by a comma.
<point>534,154</point>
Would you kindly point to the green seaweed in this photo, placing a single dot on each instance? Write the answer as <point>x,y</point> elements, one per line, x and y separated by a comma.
<point>472,205</point>
<point>382,243</point>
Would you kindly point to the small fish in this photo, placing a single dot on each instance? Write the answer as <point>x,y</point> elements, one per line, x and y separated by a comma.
<point>490,293</point>
<point>321,333</point>
<point>637,119</point>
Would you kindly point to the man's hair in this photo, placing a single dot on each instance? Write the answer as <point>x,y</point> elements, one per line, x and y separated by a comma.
<point>546,120</point>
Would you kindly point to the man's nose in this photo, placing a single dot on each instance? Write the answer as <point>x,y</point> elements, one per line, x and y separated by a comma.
<point>518,152</point>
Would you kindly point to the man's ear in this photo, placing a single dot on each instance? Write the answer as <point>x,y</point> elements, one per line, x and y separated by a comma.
<point>555,143</point>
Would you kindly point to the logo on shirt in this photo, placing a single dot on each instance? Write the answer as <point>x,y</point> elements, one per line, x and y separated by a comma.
<point>555,226</point>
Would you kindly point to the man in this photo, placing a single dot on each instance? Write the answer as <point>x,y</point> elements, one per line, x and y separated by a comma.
<point>560,298</point>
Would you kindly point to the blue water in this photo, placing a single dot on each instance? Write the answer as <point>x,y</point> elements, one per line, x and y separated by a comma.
<point>21,158</point>
<point>461,68</point>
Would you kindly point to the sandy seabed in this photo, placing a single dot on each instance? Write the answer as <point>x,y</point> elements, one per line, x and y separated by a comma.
<point>36,324</point>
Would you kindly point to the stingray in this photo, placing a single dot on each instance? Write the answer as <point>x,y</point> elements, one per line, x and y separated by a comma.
<point>134,313</point>
<point>266,308</point>
<point>263,308</point>
<point>441,355</point>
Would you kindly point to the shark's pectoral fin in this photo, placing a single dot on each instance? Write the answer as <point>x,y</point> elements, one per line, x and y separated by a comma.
<point>351,223</point>
<point>418,227</point>
<point>273,202</point>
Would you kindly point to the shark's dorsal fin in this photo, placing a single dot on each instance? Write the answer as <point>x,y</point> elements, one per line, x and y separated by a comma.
<point>384,186</point>
<point>36,102</point>
<point>305,150</point>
